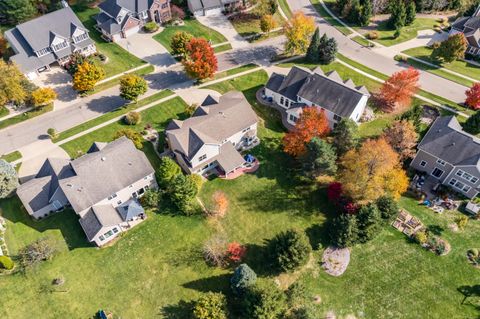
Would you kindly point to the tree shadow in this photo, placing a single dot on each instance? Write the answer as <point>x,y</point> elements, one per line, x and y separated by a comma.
<point>435,229</point>
<point>318,235</point>
<point>220,283</point>
<point>469,292</point>
<point>257,258</point>
<point>181,310</point>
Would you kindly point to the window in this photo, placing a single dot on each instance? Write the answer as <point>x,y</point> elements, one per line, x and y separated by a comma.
<point>80,38</point>
<point>164,5</point>
<point>112,196</point>
<point>43,52</point>
<point>423,163</point>
<point>60,46</point>
<point>437,172</point>
<point>282,101</point>
<point>459,185</point>
<point>287,103</point>
<point>441,162</point>
<point>108,234</point>
<point>101,238</point>
<point>336,117</point>
<point>293,118</point>
<point>119,202</point>
<point>246,130</point>
<point>466,176</point>
<point>202,158</point>
<point>115,230</point>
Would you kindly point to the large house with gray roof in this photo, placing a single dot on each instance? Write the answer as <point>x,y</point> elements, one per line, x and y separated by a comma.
<point>214,136</point>
<point>120,18</point>
<point>213,7</point>
<point>102,187</point>
<point>49,39</point>
<point>302,88</point>
<point>451,156</point>
<point>470,27</point>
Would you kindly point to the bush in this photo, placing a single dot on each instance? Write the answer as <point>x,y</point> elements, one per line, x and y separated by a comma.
<point>6,263</point>
<point>243,278</point>
<point>372,35</point>
<point>151,198</point>
<point>38,251</point>
<point>167,170</point>
<point>264,301</point>
<point>132,135</point>
<point>401,58</point>
<point>289,250</point>
<point>197,180</point>
<point>211,306</point>
<point>150,27</point>
<point>235,252</point>
<point>52,133</point>
<point>344,231</point>
<point>421,237</point>
<point>132,118</point>
<point>388,207</point>
<point>215,251</point>
<point>461,221</point>
<point>296,295</point>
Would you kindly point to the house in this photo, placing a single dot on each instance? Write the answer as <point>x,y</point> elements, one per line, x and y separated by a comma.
<point>102,187</point>
<point>470,27</point>
<point>213,7</point>
<point>302,88</point>
<point>49,39</point>
<point>120,18</point>
<point>214,136</point>
<point>451,156</point>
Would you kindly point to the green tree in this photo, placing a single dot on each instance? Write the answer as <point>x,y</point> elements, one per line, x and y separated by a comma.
<point>365,14</point>
<point>414,115</point>
<point>345,136</point>
<point>211,306</point>
<point>167,171</point>
<point>13,12</point>
<point>452,49</point>
<point>132,86</point>
<point>297,295</point>
<point>243,278</point>
<point>388,207</point>
<point>327,50</point>
<point>267,23</point>
<point>398,15</point>
<point>369,222</point>
<point>313,54</point>
<point>289,250</point>
<point>267,7</point>
<point>472,124</point>
<point>182,191</point>
<point>265,301</point>
<point>319,159</point>
<point>8,179</point>
<point>411,13</point>
<point>343,231</point>
<point>179,43</point>
<point>151,198</point>
<point>132,135</point>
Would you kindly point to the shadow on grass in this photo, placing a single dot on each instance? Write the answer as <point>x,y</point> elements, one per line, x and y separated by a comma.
<point>181,310</point>
<point>220,283</point>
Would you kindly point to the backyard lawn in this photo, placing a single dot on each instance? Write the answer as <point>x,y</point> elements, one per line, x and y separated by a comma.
<point>119,60</point>
<point>193,27</point>
<point>250,25</point>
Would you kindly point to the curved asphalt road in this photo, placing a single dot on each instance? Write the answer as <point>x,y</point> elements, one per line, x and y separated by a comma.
<point>429,82</point>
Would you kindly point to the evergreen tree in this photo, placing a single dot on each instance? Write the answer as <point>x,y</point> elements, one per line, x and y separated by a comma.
<point>411,13</point>
<point>369,222</point>
<point>345,136</point>
<point>243,278</point>
<point>472,125</point>
<point>327,50</point>
<point>8,179</point>
<point>313,53</point>
<point>365,13</point>
<point>344,231</point>
<point>289,250</point>
<point>397,15</point>
<point>14,12</point>
<point>319,159</point>
<point>167,170</point>
<point>182,191</point>
<point>388,207</point>
<point>265,301</point>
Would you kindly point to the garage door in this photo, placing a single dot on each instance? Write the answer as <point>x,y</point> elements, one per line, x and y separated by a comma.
<point>215,11</point>
<point>116,37</point>
<point>132,31</point>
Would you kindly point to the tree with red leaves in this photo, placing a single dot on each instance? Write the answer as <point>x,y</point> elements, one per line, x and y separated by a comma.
<point>235,252</point>
<point>397,92</point>
<point>473,97</point>
<point>200,61</point>
<point>334,192</point>
<point>312,123</point>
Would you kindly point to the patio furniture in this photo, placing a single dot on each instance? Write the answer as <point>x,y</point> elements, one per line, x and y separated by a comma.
<point>472,208</point>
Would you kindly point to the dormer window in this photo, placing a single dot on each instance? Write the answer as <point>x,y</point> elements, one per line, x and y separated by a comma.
<point>60,46</point>
<point>81,37</point>
<point>43,52</point>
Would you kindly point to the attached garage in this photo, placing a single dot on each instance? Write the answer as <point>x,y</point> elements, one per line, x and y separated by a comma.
<point>205,7</point>
<point>131,31</point>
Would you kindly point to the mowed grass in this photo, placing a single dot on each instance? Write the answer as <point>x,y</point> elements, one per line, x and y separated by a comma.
<point>251,26</point>
<point>119,60</point>
<point>386,35</point>
<point>191,26</point>
<point>329,18</point>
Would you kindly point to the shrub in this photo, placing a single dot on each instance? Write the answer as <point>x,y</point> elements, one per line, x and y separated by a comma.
<point>401,58</point>
<point>132,118</point>
<point>6,263</point>
<point>264,301</point>
<point>473,252</point>
<point>235,252</point>
<point>344,231</point>
<point>151,198</point>
<point>372,35</point>
<point>177,12</point>
<point>167,170</point>
<point>150,27</point>
<point>38,251</point>
<point>289,249</point>
<point>132,135</point>
<point>461,221</point>
<point>52,133</point>
<point>243,278</point>
<point>296,295</point>
<point>421,237</point>
<point>211,306</point>
<point>197,180</point>
<point>220,204</point>
<point>215,251</point>
<point>388,207</point>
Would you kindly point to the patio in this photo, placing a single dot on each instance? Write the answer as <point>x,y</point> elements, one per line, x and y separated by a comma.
<point>247,168</point>
<point>433,194</point>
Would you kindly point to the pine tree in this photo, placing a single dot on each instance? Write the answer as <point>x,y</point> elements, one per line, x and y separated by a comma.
<point>398,15</point>
<point>319,159</point>
<point>344,231</point>
<point>369,222</point>
<point>365,13</point>
<point>345,136</point>
<point>327,50</point>
<point>313,50</point>
<point>472,125</point>
<point>411,13</point>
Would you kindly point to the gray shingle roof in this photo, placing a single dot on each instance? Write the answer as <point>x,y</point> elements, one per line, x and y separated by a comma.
<point>90,224</point>
<point>130,209</point>
<point>446,140</point>
<point>231,115</point>
<point>35,193</point>
<point>113,7</point>
<point>229,158</point>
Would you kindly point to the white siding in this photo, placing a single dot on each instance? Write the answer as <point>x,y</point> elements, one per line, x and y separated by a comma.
<point>210,150</point>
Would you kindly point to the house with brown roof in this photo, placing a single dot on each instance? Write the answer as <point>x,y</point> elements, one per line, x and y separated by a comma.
<point>215,135</point>
<point>102,187</point>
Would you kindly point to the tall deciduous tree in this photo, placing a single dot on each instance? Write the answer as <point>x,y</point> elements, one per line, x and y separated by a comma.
<point>179,43</point>
<point>319,159</point>
<point>8,179</point>
<point>43,96</point>
<point>473,96</point>
<point>87,76</point>
<point>298,30</point>
<point>200,62</point>
<point>372,171</point>
<point>397,92</point>
<point>313,53</point>
<point>312,123</point>
<point>345,136</point>
<point>402,137</point>
<point>452,49</point>
<point>267,23</point>
<point>12,88</point>
<point>132,86</point>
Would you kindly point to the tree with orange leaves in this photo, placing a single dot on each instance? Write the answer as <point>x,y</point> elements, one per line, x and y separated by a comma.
<point>298,31</point>
<point>372,171</point>
<point>397,92</point>
<point>200,61</point>
<point>312,123</point>
<point>473,97</point>
<point>220,204</point>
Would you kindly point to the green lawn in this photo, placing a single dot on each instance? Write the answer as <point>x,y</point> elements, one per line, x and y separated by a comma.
<point>222,48</point>
<point>234,71</point>
<point>11,157</point>
<point>158,116</point>
<point>25,116</point>
<point>106,85</point>
<point>362,41</point>
<point>409,32</point>
<point>193,27</point>
<point>119,60</point>
<point>251,26</point>
<point>331,20</point>
<point>110,115</point>
<point>3,111</point>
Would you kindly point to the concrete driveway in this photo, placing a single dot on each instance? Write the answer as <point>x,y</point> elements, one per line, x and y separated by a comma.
<point>143,45</point>
<point>221,24</point>
<point>196,96</point>
<point>58,79</point>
